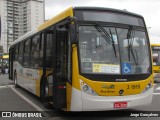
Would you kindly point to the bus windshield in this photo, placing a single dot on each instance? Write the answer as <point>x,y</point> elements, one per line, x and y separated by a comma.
<point>111,50</point>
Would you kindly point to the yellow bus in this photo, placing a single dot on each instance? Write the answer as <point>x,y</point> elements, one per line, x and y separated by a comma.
<point>86,59</point>
<point>156,60</point>
<point>5,59</point>
<point>4,62</point>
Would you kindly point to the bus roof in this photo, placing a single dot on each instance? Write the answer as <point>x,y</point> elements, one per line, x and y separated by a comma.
<point>24,36</point>
<point>67,13</point>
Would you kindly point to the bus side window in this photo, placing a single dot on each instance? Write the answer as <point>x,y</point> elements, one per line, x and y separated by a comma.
<point>49,50</point>
<point>35,52</point>
<point>16,52</point>
<point>20,58</point>
<point>41,50</point>
<point>26,53</point>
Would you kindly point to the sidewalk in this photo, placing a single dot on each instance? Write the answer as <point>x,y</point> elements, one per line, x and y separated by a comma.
<point>4,80</point>
<point>9,101</point>
<point>12,102</point>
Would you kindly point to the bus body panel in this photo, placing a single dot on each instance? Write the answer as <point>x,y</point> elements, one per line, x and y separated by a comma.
<point>75,70</point>
<point>29,78</point>
<point>96,103</point>
<point>76,100</point>
<point>69,94</point>
<point>84,102</point>
<point>26,83</point>
<point>113,88</point>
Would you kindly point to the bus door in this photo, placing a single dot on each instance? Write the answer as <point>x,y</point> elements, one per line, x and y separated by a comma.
<point>60,68</point>
<point>11,63</point>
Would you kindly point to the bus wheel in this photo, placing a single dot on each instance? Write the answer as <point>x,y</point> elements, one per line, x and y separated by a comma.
<point>44,93</point>
<point>15,79</point>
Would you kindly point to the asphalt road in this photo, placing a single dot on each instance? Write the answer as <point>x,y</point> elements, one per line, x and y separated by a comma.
<point>19,100</point>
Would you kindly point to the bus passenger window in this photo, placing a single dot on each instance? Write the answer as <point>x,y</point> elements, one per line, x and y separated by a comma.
<point>26,53</point>
<point>14,48</point>
<point>41,50</point>
<point>20,58</point>
<point>35,52</point>
<point>16,51</point>
<point>49,51</point>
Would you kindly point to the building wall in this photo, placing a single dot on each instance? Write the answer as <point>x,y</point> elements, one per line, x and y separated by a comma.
<point>3,14</point>
<point>37,14</point>
<point>20,17</point>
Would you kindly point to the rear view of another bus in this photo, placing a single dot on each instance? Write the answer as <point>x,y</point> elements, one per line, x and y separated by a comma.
<point>156,60</point>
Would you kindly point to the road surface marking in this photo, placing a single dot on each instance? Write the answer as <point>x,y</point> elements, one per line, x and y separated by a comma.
<point>6,86</point>
<point>27,100</point>
<point>158,88</point>
<point>156,93</point>
<point>30,102</point>
<point>2,87</point>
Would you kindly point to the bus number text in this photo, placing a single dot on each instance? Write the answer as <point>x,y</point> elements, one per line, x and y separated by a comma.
<point>133,86</point>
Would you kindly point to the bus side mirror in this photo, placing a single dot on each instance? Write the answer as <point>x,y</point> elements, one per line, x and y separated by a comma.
<point>73,34</point>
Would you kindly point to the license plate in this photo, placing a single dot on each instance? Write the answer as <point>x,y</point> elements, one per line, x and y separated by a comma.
<point>120,105</point>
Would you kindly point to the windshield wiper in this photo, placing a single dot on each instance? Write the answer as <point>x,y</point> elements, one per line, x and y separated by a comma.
<point>103,32</point>
<point>113,43</point>
<point>130,37</point>
<point>106,36</point>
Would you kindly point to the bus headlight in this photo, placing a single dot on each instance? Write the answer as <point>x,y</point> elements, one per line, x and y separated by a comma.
<point>147,87</point>
<point>88,90</point>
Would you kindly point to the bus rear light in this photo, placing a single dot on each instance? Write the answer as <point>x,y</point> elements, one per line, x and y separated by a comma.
<point>88,90</point>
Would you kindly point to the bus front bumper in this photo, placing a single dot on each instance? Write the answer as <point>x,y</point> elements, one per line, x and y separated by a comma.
<point>84,102</point>
<point>101,103</point>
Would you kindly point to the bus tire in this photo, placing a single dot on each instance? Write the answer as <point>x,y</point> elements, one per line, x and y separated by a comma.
<point>44,93</point>
<point>15,79</point>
